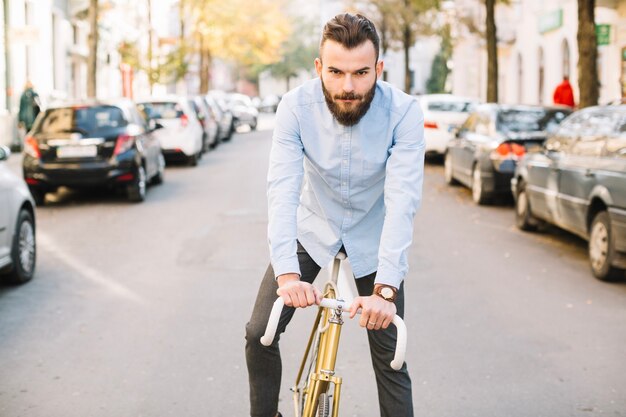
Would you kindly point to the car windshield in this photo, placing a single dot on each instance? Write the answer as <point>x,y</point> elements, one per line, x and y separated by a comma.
<point>535,120</point>
<point>450,106</point>
<point>161,110</point>
<point>94,120</point>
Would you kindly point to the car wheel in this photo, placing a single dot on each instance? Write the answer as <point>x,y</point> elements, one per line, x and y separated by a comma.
<point>447,170</point>
<point>602,249</point>
<point>478,190</point>
<point>158,178</point>
<point>24,250</point>
<point>524,218</point>
<point>193,160</point>
<point>136,191</point>
<point>253,125</point>
<point>39,195</point>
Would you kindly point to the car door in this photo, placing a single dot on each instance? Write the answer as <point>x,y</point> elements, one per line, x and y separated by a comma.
<point>614,179</point>
<point>455,146</point>
<point>544,170</point>
<point>577,176</point>
<point>147,141</point>
<point>473,143</point>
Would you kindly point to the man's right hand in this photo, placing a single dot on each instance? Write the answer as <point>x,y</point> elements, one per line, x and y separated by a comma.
<point>296,293</point>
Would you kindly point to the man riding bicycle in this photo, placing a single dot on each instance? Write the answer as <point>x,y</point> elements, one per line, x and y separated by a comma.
<point>346,171</point>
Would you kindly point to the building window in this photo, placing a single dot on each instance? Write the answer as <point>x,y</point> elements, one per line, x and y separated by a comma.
<point>566,66</point>
<point>520,79</point>
<point>27,21</point>
<point>541,76</point>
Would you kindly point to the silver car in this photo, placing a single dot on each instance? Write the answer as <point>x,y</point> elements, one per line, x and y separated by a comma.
<point>17,226</point>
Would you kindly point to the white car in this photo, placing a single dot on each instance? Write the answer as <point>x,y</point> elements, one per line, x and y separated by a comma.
<point>243,110</point>
<point>181,135</point>
<point>17,226</point>
<point>443,114</point>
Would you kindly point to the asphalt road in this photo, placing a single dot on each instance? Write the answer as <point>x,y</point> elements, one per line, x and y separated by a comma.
<point>139,309</point>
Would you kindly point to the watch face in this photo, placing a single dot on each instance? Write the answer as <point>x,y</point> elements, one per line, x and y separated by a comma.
<point>386,292</point>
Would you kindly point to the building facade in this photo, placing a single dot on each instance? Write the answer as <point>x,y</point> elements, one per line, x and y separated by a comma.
<point>537,47</point>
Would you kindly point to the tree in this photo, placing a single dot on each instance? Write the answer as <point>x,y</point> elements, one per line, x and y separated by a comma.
<point>587,54</point>
<point>298,52</point>
<point>439,70</point>
<point>400,22</point>
<point>93,49</point>
<point>247,32</point>
<point>492,52</point>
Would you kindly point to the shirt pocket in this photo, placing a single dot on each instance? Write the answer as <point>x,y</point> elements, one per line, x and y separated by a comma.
<point>373,171</point>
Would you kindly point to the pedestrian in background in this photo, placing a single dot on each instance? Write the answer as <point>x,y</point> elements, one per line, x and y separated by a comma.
<point>564,94</point>
<point>29,107</point>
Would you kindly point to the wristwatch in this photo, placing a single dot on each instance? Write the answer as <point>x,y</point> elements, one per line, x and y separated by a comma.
<point>386,292</point>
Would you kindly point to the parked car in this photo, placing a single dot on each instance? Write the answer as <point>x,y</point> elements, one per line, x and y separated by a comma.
<point>578,183</point>
<point>443,113</point>
<point>224,117</point>
<point>181,135</point>
<point>92,143</point>
<point>208,121</point>
<point>269,103</point>
<point>243,110</point>
<point>486,148</point>
<point>18,247</point>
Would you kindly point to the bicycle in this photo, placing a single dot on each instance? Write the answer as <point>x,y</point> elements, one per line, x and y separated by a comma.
<point>312,394</point>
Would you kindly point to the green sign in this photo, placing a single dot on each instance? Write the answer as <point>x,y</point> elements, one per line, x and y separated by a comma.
<point>603,34</point>
<point>550,21</point>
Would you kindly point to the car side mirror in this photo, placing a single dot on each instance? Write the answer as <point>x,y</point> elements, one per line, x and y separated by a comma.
<point>154,125</point>
<point>4,153</point>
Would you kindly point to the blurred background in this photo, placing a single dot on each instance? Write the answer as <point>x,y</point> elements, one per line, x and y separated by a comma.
<point>134,143</point>
<point>513,51</point>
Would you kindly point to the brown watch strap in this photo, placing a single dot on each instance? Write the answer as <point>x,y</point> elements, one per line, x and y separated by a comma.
<point>386,292</point>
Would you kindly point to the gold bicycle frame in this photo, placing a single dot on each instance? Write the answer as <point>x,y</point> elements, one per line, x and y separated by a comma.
<point>324,372</point>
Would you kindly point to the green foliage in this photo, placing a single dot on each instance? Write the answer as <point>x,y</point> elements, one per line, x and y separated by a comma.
<point>297,52</point>
<point>439,70</point>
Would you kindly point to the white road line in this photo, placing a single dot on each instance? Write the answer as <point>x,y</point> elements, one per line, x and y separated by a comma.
<point>47,243</point>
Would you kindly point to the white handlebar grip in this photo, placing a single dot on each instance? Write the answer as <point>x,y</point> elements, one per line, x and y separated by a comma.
<point>272,323</point>
<point>398,359</point>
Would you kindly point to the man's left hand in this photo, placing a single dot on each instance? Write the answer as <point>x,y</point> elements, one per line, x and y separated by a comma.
<point>376,312</point>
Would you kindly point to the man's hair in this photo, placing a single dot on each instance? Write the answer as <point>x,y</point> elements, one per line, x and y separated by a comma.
<point>350,30</point>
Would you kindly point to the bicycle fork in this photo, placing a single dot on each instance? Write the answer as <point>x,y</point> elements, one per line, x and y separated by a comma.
<point>324,374</point>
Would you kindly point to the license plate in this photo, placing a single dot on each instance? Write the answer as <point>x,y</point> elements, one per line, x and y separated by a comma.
<point>77,151</point>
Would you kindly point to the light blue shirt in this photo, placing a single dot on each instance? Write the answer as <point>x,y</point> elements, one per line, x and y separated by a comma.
<point>331,185</point>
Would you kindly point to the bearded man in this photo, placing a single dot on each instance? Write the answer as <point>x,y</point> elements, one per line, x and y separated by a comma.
<point>345,174</point>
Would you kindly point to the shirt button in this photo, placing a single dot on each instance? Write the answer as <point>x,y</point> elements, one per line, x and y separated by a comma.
<point>344,183</point>
<point>345,162</point>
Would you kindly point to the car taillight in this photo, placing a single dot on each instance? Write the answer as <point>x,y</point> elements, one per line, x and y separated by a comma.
<point>184,119</point>
<point>430,125</point>
<point>509,150</point>
<point>124,143</point>
<point>31,147</point>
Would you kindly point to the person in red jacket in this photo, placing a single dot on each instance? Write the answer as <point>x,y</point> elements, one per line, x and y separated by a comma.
<point>564,94</point>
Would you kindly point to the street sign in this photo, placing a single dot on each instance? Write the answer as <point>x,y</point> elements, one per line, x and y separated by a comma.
<point>25,35</point>
<point>603,34</point>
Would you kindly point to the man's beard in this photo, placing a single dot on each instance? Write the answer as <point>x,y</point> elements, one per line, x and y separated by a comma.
<point>351,116</point>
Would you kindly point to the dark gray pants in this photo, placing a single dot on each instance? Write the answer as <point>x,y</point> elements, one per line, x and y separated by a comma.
<point>264,364</point>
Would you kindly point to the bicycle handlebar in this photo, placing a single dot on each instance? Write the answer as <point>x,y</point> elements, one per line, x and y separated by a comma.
<point>272,324</point>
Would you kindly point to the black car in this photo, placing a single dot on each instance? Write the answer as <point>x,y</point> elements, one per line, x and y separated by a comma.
<point>92,143</point>
<point>485,150</point>
<point>578,182</point>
